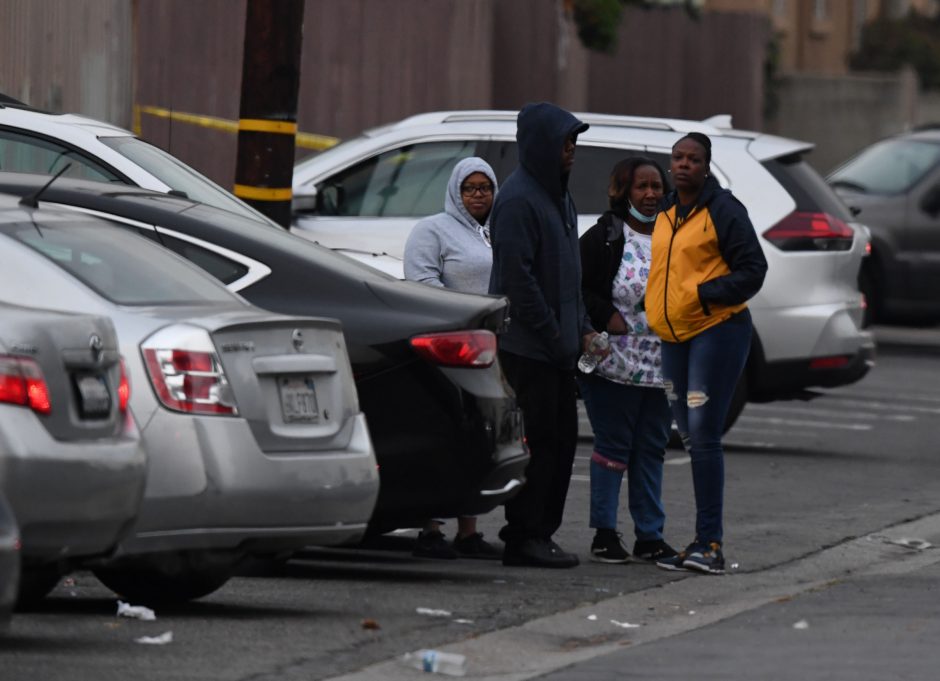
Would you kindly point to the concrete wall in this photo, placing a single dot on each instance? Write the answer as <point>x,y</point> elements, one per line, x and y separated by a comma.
<point>842,114</point>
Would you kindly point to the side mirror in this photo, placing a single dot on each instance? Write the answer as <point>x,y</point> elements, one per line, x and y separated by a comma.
<point>930,203</point>
<point>855,210</point>
<point>304,203</point>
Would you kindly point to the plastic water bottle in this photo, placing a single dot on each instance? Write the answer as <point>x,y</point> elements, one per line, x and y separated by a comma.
<point>437,662</point>
<point>588,362</point>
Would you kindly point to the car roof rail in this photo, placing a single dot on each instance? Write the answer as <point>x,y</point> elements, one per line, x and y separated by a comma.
<point>716,125</point>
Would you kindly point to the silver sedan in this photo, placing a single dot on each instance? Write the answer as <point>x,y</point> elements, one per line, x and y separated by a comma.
<point>250,420</point>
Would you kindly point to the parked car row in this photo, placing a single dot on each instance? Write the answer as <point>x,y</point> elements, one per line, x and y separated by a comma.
<point>253,424</point>
<point>363,196</point>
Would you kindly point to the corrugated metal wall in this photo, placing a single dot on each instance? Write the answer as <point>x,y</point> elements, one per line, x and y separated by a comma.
<point>190,60</point>
<point>668,64</point>
<point>368,62</point>
<point>69,56</point>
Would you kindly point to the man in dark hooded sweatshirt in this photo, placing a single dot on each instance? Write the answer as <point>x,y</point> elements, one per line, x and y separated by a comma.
<point>537,264</point>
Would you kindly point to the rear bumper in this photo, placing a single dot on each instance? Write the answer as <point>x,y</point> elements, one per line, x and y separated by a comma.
<point>808,347</point>
<point>70,499</point>
<point>211,487</point>
<point>779,379</point>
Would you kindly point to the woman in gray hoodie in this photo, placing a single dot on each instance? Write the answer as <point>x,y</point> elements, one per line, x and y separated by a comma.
<point>452,250</point>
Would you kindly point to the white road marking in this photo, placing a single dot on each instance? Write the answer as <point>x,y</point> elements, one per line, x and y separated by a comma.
<point>807,424</point>
<point>827,413</point>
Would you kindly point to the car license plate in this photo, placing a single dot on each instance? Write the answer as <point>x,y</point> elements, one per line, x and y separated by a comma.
<point>298,400</point>
<point>94,398</point>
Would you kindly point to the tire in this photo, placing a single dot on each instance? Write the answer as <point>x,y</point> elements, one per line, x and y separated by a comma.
<point>738,400</point>
<point>35,585</point>
<point>169,578</point>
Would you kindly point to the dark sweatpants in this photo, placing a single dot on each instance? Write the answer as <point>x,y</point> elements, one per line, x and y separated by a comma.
<point>547,397</point>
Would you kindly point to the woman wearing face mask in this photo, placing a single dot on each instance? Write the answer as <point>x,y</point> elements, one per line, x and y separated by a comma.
<point>707,263</point>
<point>624,396</point>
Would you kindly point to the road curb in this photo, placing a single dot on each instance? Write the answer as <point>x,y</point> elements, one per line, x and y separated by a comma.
<point>689,602</point>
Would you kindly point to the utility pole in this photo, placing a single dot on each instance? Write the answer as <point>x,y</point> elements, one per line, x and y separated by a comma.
<point>267,126</point>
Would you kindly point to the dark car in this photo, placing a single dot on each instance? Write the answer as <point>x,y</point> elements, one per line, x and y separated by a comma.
<point>446,430</point>
<point>894,185</point>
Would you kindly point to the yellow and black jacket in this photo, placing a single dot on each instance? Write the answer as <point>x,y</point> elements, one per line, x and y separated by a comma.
<point>705,264</point>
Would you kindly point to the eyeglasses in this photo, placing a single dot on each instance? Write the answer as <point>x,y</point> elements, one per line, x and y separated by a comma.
<point>471,189</point>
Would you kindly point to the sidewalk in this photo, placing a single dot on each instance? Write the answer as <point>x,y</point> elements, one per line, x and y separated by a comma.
<point>864,610</point>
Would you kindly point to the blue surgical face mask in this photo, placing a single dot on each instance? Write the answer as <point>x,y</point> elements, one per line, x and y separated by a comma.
<point>640,216</point>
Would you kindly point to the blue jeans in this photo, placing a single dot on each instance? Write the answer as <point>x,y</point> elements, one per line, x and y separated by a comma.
<point>631,428</point>
<point>700,375</point>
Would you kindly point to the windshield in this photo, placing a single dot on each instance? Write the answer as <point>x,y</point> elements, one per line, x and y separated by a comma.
<point>121,266</point>
<point>179,176</point>
<point>889,167</point>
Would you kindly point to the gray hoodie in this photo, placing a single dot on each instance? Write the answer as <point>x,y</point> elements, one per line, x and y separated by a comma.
<point>449,249</point>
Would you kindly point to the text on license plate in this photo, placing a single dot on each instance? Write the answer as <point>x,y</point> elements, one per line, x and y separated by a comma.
<point>298,399</point>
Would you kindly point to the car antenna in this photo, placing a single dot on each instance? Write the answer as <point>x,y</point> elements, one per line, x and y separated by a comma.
<point>32,200</point>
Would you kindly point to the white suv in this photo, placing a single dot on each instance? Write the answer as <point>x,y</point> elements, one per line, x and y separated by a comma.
<point>363,196</point>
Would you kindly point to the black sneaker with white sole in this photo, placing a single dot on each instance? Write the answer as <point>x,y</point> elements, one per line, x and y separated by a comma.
<point>607,547</point>
<point>653,550</point>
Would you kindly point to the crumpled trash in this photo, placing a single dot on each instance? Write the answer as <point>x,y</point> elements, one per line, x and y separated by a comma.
<point>137,612</point>
<point>802,624</point>
<point>161,640</point>
<point>911,543</point>
<point>625,625</point>
<point>593,618</point>
<point>432,612</point>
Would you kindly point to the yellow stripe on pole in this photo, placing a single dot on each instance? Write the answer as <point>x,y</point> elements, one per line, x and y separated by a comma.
<point>305,140</point>
<point>244,191</point>
<point>263,125</point>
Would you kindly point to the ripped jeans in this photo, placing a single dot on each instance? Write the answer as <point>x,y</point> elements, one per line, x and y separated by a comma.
<point>700,376</point>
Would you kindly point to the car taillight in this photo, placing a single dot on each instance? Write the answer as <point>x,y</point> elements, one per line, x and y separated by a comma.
<point>457,348</point>
<point>124,389</point>
<point>186,372</point>
<point>22,382</point>
<point>800,231</point>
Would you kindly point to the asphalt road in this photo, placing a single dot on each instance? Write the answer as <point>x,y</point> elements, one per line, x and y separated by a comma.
<point>817,493</point>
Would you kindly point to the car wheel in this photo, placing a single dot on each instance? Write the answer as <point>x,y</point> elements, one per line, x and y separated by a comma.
<point>738,400</point>
<point>170,578</point>
<point>35,585</point>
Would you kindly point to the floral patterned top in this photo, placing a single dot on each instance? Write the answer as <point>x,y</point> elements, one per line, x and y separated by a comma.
<point>635,358</point>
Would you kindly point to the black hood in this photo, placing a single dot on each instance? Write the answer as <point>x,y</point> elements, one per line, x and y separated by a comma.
<point>541,131</point>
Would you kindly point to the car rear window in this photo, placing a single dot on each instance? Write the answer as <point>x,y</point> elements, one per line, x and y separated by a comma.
<point>888,167</point>
<point>807,187</point>
<point>119,265</point>
<point>179,176</point>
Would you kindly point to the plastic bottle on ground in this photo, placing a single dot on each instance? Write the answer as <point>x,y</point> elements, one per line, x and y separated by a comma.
<point>437,662</point>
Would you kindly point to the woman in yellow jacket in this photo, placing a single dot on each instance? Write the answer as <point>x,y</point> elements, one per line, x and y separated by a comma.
<point>706,263</point>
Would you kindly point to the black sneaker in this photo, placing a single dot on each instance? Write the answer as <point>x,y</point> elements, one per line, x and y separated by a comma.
<point>708,559</point>
<point>608,548</point>
<point>475,546</point>
<point>433,545</point>
<point>653,550</point>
